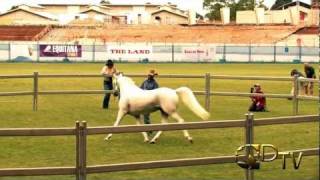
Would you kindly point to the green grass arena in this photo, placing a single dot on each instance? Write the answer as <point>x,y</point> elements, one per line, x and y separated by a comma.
<point>64,110</point>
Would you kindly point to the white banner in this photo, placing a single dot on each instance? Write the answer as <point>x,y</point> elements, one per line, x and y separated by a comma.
<point>23,52</point>
<point>199,53</point>
<point>129,52</point>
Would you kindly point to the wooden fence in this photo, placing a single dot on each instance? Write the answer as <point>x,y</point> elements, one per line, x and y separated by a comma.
<point>207,91</point>
<point>81,131</point>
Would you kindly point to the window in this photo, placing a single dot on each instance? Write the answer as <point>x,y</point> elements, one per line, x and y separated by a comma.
<point>158,19</point>
<point>139,19</point>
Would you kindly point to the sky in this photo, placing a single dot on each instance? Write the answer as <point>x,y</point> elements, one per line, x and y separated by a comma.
<point>182,4</point>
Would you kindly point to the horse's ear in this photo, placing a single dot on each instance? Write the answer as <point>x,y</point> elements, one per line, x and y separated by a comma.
<point>117,74</point>
<point>120,74</point>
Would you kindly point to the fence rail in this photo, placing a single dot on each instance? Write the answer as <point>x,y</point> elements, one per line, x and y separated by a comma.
<point>177,163</point>
<point>133,166</point>
<point>270,78</point>
<point>81,132</point>
<point>208,78</point>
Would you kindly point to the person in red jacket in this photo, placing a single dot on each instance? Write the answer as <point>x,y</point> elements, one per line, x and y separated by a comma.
<point>259,103</point>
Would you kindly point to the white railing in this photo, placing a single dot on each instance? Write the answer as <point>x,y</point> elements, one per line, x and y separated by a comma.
<point>208,79</point>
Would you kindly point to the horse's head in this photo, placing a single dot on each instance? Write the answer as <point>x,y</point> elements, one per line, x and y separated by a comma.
<point>119,80</point>
<point>115,83</point>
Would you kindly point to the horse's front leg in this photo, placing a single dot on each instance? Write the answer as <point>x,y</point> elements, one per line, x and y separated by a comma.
<point>121,113</point>
<point>144,134</point>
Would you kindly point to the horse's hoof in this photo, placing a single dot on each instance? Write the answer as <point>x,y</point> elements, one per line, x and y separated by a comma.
<point>107,138</point>
<point>152,142</point>
<point>146,140</point>
<point>190,140</point>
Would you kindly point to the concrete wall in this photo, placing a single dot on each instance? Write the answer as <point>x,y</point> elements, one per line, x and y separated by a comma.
<point>314,17</point>
<point>246,17</point>
<point>280,16</point>
<point>225,15</point>
<point>305,39</point>
<point>290,15</point>
<point>160,52</point>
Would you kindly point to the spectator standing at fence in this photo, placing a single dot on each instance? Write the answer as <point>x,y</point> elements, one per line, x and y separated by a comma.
<point>310,73</point>
<point>149,84</point>
<point>259,103</point>
<point>108,70</point>
<point>302,86</point>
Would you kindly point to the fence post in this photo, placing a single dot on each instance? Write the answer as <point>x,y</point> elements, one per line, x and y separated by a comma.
<point>250,52</point>
<point>172,50</point>
<point>83,151</point>
<point>300,52</point>
<point>77,150</point>
<point>274,53</point>
<point>35,90</point>
<point>224,52</point>
<point>295,99</point>
<point>249,140</point>
<point>9,51</point>
<point>94,51</point>
<point>38,51</point>
<point>207,91</point>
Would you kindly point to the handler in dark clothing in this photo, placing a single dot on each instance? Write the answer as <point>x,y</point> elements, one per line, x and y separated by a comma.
<point>302,85</point>
<point>149,84</point>
<point>310,73</point>
<point>258,102</point>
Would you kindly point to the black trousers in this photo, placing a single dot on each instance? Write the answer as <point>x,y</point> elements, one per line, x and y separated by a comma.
<point>107,86</point>
<point>254,107</point>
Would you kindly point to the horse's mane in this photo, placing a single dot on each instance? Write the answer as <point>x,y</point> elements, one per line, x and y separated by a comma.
<point>128,80</point>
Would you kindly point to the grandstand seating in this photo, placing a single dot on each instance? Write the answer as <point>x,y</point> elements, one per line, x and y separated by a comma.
<point>236,34</point>
<point>22,33</point>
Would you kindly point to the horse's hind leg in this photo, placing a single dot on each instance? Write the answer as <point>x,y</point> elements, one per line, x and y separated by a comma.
<point>144,134</point>
<point>164,120</point>
<point>119,117</point>
<point>186,134</point>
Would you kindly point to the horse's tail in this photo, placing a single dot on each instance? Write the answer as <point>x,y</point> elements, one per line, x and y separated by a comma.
<point>188,98</point>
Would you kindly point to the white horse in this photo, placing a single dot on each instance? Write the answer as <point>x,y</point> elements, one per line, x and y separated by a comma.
<point>136,102</point>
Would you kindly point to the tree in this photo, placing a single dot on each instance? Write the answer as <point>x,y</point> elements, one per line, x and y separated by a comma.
<point>279,3</point>
<point>245,5</point>
<point>214,6</point>
<point>261,5</point>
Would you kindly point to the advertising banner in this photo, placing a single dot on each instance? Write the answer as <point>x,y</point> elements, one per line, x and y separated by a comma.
<point>199,53</point>
<point>57,50</point>
<point>129,52</point>
<point>22,52</point>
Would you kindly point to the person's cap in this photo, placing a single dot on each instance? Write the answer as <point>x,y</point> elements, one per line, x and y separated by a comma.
<point>293,72</point>
<point>256,85</point>
<point>109,62</point>
<point>152,72</point>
